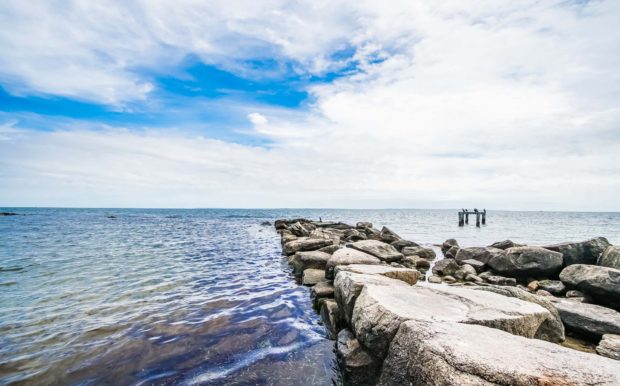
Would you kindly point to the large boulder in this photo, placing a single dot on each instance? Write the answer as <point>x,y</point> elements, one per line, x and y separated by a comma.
<point>426,352</point>
<point>524,262</point>
<point>347,256</point>
<point>588,319</point>
<point>305,244</point>
<point>357,365</point>
<point>354,235</point>
<point>609,346</point>
<point>585,252</point>
<point>400,244</point>
<point>379,249</point>
<point>611,257</point>
<point>299,230</point>
<point>379,310</point>
<point>425,253</point>
<point>388,236</point>
<point>505,244</point>
<point>554,287</point>
<point>409,276</point>
<point>313,276</point>
<point>446,245</point>
<point>602,283</point>
<point>445,267</point>
<point>331,317</point>
<point>312,259</point>
<point>452,252</point>
<point>551,329</point>
<point>482,254</point>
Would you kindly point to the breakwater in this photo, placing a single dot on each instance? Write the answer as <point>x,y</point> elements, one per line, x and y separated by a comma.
<point>479,315</point>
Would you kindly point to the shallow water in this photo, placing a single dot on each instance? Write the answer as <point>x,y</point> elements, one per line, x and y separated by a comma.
<point>117,296</point>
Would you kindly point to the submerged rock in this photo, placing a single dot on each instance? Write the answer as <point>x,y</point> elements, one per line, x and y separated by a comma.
<point>609,346</point>
<point>610,258</point>
<point>379,249</point>
<point>602,283</point>
<point>585,252</point>
<point>347,256</point>
<point>357,365</point>
<point>523,262</point>
<point>588,319</point>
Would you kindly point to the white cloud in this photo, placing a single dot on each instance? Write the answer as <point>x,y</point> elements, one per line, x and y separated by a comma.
<point>501,103</point>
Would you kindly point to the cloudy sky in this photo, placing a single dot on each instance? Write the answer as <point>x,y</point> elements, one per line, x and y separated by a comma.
<point>361,104</point>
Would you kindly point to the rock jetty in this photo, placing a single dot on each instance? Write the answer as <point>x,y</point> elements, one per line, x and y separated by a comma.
<point>493,315</point>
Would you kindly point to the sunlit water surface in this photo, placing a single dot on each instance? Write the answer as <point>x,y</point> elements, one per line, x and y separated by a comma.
<point>117,296</point>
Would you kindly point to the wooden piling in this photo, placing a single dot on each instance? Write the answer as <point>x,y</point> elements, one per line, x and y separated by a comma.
<point>466,216</point>
<point>478,219</point>
<point>461,223</point>
<point>484,217</point>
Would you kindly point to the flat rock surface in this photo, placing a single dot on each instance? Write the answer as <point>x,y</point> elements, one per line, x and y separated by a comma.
<point>322,290</point>
<point>379,249</point>
<point>380,309</point>
<point>588,318</point>
<point>429,353</point>
<point>311,259</point>
<point>347,256</point>
<point>409,276</point>
<point>305,244</point>
<point>313,276</point>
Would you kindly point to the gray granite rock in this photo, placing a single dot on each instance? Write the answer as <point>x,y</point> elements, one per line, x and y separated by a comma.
<point>346,256</point>
<point>331,318</point>
<point>584,252</point>
<point>589,319</point>
<point>379,249</point>
<point>609,346</point>
<point>357,365</point>
<point>313,276</point>
<point>311,259</point>
<point>611,257</point>
<point>602,283</point>
<point>524,262</point>
<point>305,244</point>
<point>425,253</point>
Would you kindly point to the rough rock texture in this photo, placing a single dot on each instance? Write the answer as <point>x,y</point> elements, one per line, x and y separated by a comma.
<point>354,235</point>
<point>409,276</point>
<point>451,253</point>
<point>588,319</point>
<point>331,317</point>
<point>312,259</point>
<point>299,230</point>
<point>357,365</point>
<point>330,249</point>
<point>313,276</point>
<point>478,265</point>
<point>522,262</point>
<point>463,271</point>
<point>446,245</point>
<point>445,267</point>
<point>425,253</point>
<point>346,256</point>
<point>491,278</point>
<point>305,244</point>
<point>554,287</point>
<point>609,346</point>
<point>415,262</point>
<point>379,310</point>
<point>434,280</point>
<point>322,290</point>
<point>349,285</point>
<point>505,244</point>
<point>431,353</point>
<point>379,249</point>
<point>611,257</point>
<point>400,244</point>
<point>551,329</point>
<point>602,283</point>
<point>387,236</point>
<point>363,224</point>
<point>482,254</point>
<point>585,252</point>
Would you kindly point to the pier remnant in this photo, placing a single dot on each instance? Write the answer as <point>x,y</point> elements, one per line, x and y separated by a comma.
<point>464,217</point>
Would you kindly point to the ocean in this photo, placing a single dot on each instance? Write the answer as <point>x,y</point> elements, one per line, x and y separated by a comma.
<point>197,296</point>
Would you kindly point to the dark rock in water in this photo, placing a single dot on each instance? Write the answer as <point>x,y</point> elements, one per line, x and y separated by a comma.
<point>425,253</point>
<point>363,224</point>
<point>8,214</point>
<point>505,244</point>
<point>266,223</point>
<point>609,346</point>
<point>610,258</point>
<point>554,287</point>
<point>524,262</point>
<point>321,290</point>
<point>400,244</point>
<point>387,236</point>
<point>305,244</point>
<point>478,265</point>
<point>358,366</point>
<point>110,216</point>
<point>347,256</point>
<point>331,317</point>
<point>482,254</point>
<point>602,283</point>
<point>585,252</point>
<point>445,267</point>
<point>448,244</point>
<point>451,253</point>
<point>381,250</point>
<point>588,319</point>
<point>552,329</point>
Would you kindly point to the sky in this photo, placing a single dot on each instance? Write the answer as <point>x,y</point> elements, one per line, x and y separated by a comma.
<point>331,104</point>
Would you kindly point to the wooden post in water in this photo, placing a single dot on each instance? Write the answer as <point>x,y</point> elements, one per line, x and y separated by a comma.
<point>461,223</point>
<point>478,219</point>
<point>466,216</point>
<point>484,217</point>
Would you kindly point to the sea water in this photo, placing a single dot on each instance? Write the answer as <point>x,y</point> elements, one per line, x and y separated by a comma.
<point>150,296</point>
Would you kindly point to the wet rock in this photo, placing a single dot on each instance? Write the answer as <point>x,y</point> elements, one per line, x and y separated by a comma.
<point>312,259</point>
<point>505,244</point>
<point>304,244</point>
<point>322,290</point>
<point>331,317</point>
<point>446,245</point>
<point>585,252</point>
<point>313,276</point>
<point>425,253</point>
<point>478,265</point>
<point>379,310</point>
<point>409,276</point>
<point>451,253</point>
<point>387,236</point>
<point>434,280</point>
<point>347,256</point>
<point>381,250</point>
<point>555,287</point>
<point>523,262</point>
<point>400,244</point>
<point>431,353</point>
<point>445,267</point>
<point>602,283</point>
<point>482,254</point>
<point>363,225</point>
<point>609,346</point>
<point>588,319</point>
<point>357,365</point>
<point>8,214</point>
<point>610,258</point>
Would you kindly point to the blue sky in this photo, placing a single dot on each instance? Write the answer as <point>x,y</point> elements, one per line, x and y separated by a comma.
<point>305,104</point>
